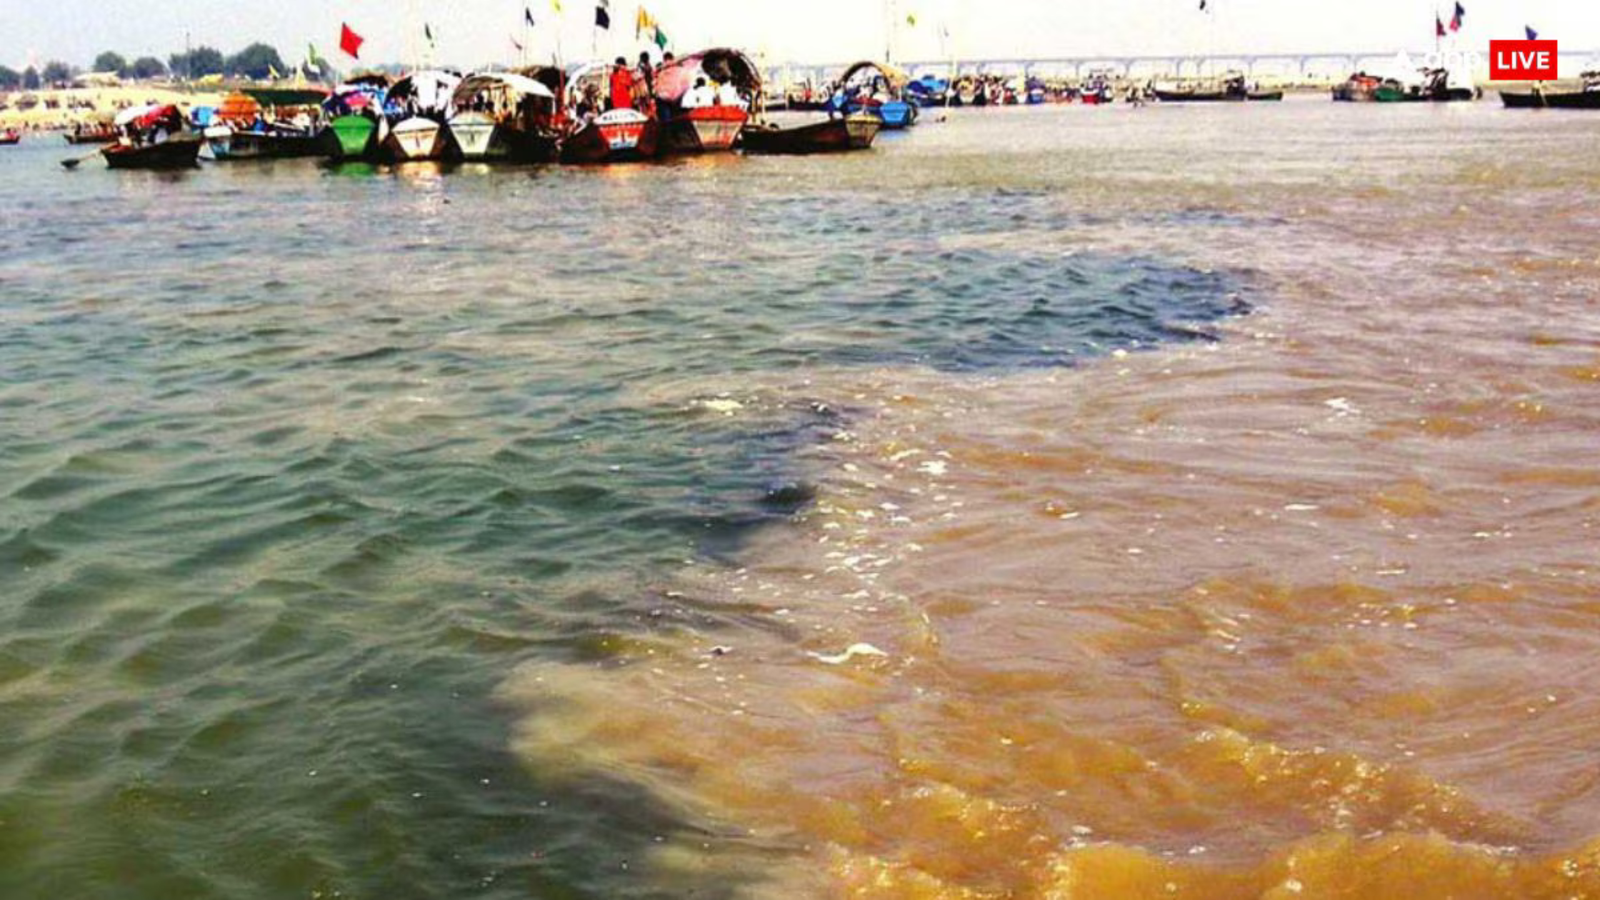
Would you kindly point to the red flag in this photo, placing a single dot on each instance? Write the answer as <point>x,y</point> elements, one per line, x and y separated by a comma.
<point>1455,20</point>
<point>350,42</point>
<point>1438,27</point>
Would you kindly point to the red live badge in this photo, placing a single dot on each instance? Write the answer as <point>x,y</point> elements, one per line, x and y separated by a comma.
<point>1522,61</point>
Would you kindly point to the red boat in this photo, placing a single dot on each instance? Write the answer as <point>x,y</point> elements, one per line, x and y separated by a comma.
<point>621,135</point>
<point>706,119</point>
<point>10,136</point>
<point>706,129</point>
<point>153,138</point>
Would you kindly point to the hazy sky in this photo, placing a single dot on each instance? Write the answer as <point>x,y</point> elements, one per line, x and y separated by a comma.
<point>474,32</point>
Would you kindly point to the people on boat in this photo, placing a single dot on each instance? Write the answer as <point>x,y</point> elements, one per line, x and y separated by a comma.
<point>621,85</point>
<point>701,95</point>
<point>728,95</point>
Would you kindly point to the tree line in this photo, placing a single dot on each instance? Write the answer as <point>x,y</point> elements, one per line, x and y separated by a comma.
<point>255,61</point>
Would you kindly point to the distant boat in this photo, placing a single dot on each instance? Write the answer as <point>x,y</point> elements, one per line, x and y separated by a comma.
<point>1434,89</point>
<point>93,133</point>
<point>877,89</point>
<point>9,137</point>
<point>703,129</point>
<point>505,116</point>
<point>832,136</point>
<point>1358,88</point>
<point>1231,90</point>
<point>1586,97</point>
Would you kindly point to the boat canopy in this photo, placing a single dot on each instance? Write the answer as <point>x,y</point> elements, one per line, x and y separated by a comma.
<point>238,107</point>
<point>148,116</point>
<point>722,65</point>
<point>286,96</point>
<point>497,83</point>
<point>895,77</point>
<point>430,89</point>
<point>550,76</point>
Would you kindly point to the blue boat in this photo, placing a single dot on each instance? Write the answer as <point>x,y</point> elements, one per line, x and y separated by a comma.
<point>875,89</point>
<point>929,90</point>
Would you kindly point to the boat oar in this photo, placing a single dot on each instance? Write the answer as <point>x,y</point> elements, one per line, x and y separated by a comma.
<point>73,163</point>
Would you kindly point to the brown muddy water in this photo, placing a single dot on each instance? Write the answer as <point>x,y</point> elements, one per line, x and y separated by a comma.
<point>1306,612</point>
<point>1057,503</point>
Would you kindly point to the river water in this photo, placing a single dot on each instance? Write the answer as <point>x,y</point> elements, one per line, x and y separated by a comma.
<point>1052,503</point>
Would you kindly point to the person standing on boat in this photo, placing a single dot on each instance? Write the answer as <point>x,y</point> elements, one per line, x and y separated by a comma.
<point>644,84</point>
<point>621,85</point>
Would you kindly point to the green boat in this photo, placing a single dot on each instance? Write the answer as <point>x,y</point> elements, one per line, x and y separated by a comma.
<point>1434,89</point>
<point>353,136</point>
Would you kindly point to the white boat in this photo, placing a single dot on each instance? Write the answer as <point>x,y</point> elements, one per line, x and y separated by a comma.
<point>415,139</point>
<point>504,116</point>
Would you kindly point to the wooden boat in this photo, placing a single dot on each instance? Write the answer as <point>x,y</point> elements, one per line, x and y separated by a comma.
<point>351,137</point>
<point>877,89</point>
<point>1232,90</point>
<point>9,137</point>
<point>354,113</point>
<point>505,116</point>
<point>153,137</point>
<point>417,106</point>
<point>705,128</point>
<point>227,143</point>
<point>1358,88</point>
<point>1435,88</point>
<point>833,136</point>
<point>415,139</point>
<point>182,152</point>
<point>621,135</point>
<point>103,133</point>
<point>1587,97</point>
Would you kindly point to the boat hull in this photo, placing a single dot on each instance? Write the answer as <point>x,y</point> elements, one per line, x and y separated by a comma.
<point>707,129</point>
<point>415,140</point>
<point>177,153</point>
<point>832,136</point>
<point>1551,99</point>
<point>351,137</point>
<point>478,138</point>
<point>8,140</point>
<point>1218,96</point>
<point>226,144</point>
<point>622,135</point>
<point>91,138</point>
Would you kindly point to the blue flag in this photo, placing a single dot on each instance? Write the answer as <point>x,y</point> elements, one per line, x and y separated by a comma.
<point>1532,35</point>
<point>527,16</point>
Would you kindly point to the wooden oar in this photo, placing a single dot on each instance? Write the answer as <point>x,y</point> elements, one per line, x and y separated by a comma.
<point>76,161</point>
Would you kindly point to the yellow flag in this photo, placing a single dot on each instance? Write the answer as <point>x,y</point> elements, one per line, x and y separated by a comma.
<point>556,5</point>
<point>643,23</point>
<point>911,19</point>
<point>272,71</point>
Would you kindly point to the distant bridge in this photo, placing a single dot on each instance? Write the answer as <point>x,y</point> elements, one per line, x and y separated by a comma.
<point>1287,66</point>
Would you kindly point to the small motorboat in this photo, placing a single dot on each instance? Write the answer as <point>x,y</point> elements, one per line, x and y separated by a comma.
<point>10,136</point>
<point>507,116</point>
<point>417,107</point>
<point>833,136</point>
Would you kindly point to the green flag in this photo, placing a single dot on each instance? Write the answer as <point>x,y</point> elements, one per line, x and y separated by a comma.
<point>661,38</point>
